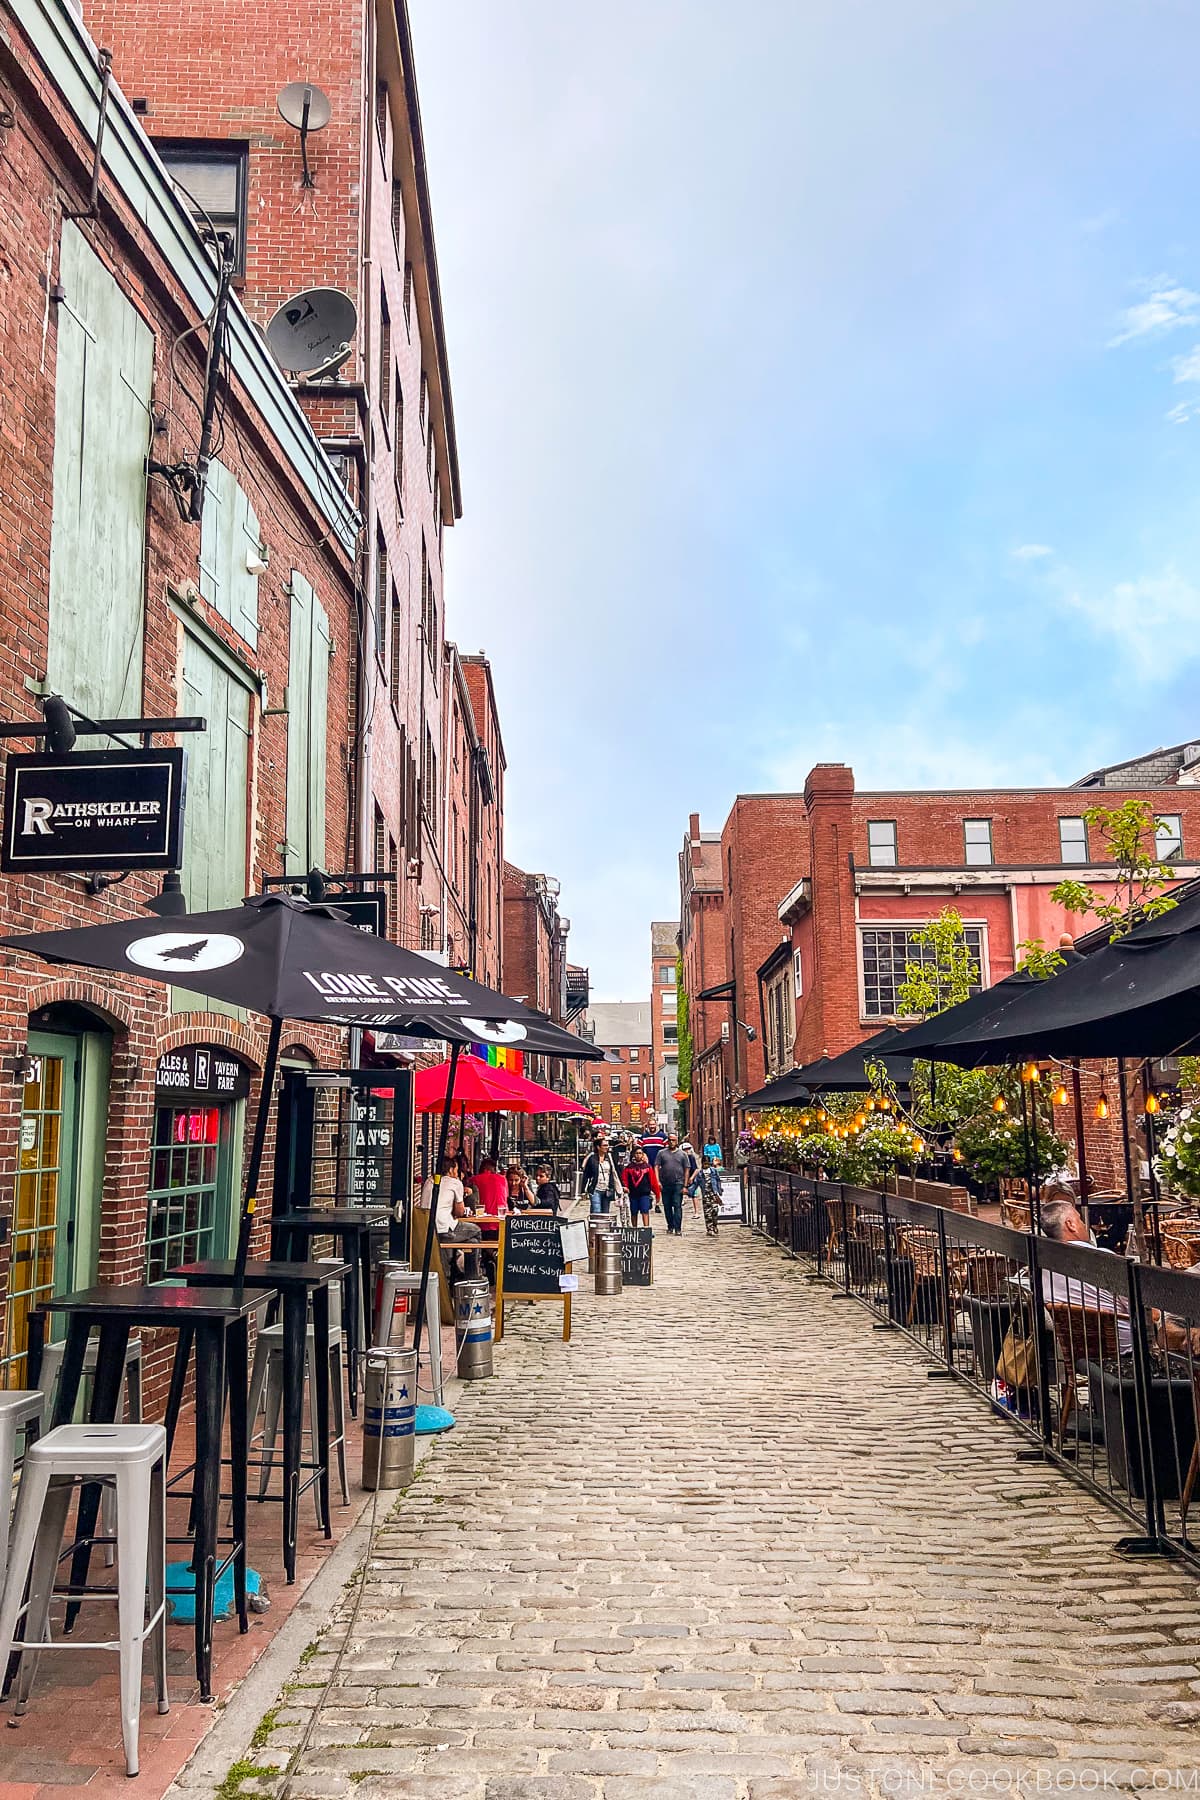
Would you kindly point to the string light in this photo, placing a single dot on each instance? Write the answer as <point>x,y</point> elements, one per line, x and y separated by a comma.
<point>958,1156</point>
<point>1031,1072</point>
<point>1059,1096</point>
<point>1151,1103</point>
<point>998,1105</point>
<point>1102,1107</point>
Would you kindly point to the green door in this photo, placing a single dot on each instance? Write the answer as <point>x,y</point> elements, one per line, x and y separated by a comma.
<point>44,1216</point>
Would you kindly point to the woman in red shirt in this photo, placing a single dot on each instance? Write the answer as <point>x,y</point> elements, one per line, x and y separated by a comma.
<point>641,1184</point>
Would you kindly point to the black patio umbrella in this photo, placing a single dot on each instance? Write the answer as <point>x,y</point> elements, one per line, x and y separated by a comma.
<point>289,959</point>
<point>987,1003</point>
<point>1139,996</point>
<point>831,1074</point>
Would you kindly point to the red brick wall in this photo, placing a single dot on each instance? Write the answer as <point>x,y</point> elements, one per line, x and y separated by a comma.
<point>209,78</point>
<point>43,172</point>
<point>764,849</point>
<point>478,675</point>
<point>616,1105</point>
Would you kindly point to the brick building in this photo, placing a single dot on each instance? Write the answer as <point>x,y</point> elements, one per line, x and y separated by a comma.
<point>664,1014</point>
<point>207,90</point>
<point>822,892</point>
<point>473,827</point>
<point>116,1159</point>
<point>622,1091</point>
<point>702,947</point>
<point>535,953</point>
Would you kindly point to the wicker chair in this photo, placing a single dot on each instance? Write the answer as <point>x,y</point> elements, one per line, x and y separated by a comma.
<point>1016,1214</point>
<point>1083,1334</point>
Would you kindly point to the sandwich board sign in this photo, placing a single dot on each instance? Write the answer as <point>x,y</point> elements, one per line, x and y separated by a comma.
<point>530,1264</point>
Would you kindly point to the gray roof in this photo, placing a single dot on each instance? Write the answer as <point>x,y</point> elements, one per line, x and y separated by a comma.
<point>620,1022</point>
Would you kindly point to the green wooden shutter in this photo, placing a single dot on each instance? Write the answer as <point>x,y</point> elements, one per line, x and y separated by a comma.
<point>229,532</point>
<point>307,707</point>
<point>214,835</point>
<point>103,383</point>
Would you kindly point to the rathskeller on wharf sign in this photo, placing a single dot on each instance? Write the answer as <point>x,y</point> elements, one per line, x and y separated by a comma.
<point>93,809</point>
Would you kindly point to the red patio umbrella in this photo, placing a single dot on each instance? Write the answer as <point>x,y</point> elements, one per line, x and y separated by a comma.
<point>481,1088</point>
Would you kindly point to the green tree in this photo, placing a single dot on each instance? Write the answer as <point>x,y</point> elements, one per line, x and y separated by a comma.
<point>1140,878</point>
<point>944,971</point>
<point>683,1030</point>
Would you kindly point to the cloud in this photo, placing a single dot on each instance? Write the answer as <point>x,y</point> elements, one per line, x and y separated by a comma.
<point>1032,552</point>
<point>1167,307</point>
<point>1144,615</point>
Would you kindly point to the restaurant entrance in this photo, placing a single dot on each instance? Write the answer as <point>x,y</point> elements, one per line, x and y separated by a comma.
<point>195,1157</point>
<point>56,1208</point>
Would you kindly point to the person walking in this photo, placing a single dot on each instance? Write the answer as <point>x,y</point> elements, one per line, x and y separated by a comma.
<point>673,1168</point>
<point>600,1180</point>
<point>642,1186</point>
<point>693,1185</point>
<point>711,1195</point>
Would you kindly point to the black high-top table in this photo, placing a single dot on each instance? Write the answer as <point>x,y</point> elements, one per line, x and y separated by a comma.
<point>216,1322</point>
<point>296,1283</point>
<point>350,1227</point>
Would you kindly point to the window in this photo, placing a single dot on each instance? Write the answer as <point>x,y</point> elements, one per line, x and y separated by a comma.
<point>429,785</point>
<point>429,617</point>
<point>670,1034</point>
<point>886,949</point>
<point>398,218</point>
<point>634,1053</point>
<point>797,974</point>
<point>597,1084</point>
<point>635,1084</point>
<point>429,456</point>
<point>666,974</point>
<point>1072,840</point>
<point>381,113</point>
<point>635,1112</point>
<point>423,414</point>
<point>379,840</point>
<point>881,843</point>
<point>408,291</point>
<point>307,700</point>
<point>385,360</point>
<point>398,445</point>
<point>1168,837</point>
<point>211,179</point>
<point>669,1002</point>
<point>103,384</point>
<point>381,589</point>
<point>977,840</point>
<point>614,1112</point>
<point>190,1215</point>
<point>614,1084</point>
<point>394,656</point>
<point>780,1025</point>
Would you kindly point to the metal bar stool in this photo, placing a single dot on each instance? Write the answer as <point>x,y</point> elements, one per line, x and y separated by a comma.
<point>20,1410</point>
<point>267,1381</point>
<point>133,1457</point>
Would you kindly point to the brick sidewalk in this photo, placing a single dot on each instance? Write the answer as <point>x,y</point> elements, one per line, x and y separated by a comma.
<point>732,1542</point>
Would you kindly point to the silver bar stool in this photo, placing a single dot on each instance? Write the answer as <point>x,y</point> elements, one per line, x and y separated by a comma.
<point>132,1458</point>
<point>395,1278</point>
<point>20,1410</point>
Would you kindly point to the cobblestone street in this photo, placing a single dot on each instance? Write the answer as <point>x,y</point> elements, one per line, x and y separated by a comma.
<point>732,1542</point>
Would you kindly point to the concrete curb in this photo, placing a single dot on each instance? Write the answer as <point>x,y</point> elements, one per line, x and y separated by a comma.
<point>227,1740</point>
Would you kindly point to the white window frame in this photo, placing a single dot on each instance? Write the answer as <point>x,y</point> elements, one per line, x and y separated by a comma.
<point>883,861</point>
<point>1168,842</point>
<point>798,973</point>
<point>866,1018</point>
<point>977,862</point>
<point>1073,861</point>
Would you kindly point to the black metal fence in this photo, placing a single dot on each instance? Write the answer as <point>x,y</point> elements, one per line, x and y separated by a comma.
<point>1095,1359</point>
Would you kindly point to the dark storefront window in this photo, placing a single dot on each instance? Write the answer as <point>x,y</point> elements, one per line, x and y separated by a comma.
<point>189,1200</point>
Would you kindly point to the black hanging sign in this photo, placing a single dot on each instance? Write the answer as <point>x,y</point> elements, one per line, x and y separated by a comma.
<point>366,909</point>
<point>200,1072</point>
<point>637,1256</point>
<point>93,809</point>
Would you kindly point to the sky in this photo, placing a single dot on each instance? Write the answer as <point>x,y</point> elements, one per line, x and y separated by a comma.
<point>827,383</point>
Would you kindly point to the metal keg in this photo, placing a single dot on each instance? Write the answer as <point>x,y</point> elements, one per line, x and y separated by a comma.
<point>383,1330</point>
<point>389,1418</point>
<point>599,1225</point>
<point>473,1329</point>
<point>608,1264</point>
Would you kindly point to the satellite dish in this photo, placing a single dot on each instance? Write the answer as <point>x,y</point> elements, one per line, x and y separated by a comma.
<point>305,108</point>
<point>312,333</point>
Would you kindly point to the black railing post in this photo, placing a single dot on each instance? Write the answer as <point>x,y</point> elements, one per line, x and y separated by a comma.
<point>845,1236</point>
<point>819,1218</point>
<point>944,1290</point>
<point>888,1259</point>
<point>1042,1337</point>
<point>1142,1398</point>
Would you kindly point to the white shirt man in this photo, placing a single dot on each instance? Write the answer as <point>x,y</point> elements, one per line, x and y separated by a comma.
<point>451,1205</point>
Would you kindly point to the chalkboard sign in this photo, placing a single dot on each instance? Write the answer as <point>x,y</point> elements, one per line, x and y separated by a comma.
<point>533,1258</point>
<point>531,1265</point>
<point>637,1256</point>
